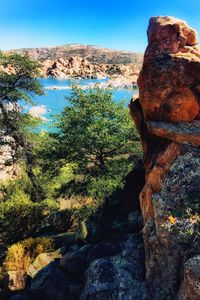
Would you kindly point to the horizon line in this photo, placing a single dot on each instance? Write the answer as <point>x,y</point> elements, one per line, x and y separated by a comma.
<point>73,44</point>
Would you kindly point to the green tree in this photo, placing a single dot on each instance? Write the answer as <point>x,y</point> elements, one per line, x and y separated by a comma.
<point>97,134</point>
<point>18,83</point>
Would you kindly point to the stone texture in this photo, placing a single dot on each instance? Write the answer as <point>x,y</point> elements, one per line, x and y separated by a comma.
<point>165,252</point>
<point>191,283</point>
<point>50,283</point>
<point>170,72</point>
<point>8,167</point>
<point>74,264</point>
<point>154,179</point>
<point>118,277</point>
<point>168,35</point>
<point>184,133</point>
<point>77,67</point>
<point>103,249</point>
<point>167,118</point>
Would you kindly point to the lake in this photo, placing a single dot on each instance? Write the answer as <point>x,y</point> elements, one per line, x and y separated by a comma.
<point>54,100</point>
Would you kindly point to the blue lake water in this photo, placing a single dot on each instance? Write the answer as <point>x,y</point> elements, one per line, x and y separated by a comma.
<point>54,100</point>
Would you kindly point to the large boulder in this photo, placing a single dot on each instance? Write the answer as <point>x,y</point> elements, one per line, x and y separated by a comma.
<point>191,282</point>
<point>50,283</point>
<point>104,249</point>
<point>170,72</point>
<point>121,276</point>
<point>74,264</point>
<point>168,35</point>
<point>167,118</point>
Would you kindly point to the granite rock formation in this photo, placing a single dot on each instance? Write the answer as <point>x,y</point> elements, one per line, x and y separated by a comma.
<point>167,118</point>
<point>84,61</point>
<point>8,150</point>
<point>118,276</point>
<point>77,67</point>
<point>8,168</point>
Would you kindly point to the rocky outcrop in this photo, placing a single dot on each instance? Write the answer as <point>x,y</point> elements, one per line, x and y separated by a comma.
<point>118,276</point>
<point>77,67</point>
<point>8,167</point>
<point>167,118</point>
<point>190,285</point>
<point>87,62</point>
<point>50,283</point>
<point>71,67</point>
<point>8,147</point>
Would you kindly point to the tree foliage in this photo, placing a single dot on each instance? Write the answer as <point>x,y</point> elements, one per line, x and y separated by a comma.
<point>96,133</point>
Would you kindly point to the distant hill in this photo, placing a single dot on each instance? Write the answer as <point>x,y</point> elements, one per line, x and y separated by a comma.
<point>94,54</point>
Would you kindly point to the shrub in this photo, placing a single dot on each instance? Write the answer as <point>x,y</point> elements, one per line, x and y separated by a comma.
<point>186,224</point>
<point>19,216</point>
<point>21,255</point>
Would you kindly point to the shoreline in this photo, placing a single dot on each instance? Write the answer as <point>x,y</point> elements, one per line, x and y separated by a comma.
<point>118,83</point>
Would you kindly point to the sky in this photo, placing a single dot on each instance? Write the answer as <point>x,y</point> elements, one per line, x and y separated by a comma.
<point>117,24</point>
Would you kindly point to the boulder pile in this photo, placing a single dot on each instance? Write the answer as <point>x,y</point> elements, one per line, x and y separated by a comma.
<point>77,67</point>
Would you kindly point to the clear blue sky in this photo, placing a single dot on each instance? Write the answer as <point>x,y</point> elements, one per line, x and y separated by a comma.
<point>119,24</point>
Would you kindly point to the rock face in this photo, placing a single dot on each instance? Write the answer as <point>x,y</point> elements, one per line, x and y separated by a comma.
<point>190,285</point>
<point>118,276</point>
<point>170,75</point>
<point>50,283</point>
<point>8,148</point>
<point>71,67</point>
<point>84,61</point>
<point>167,118</point>
<point>77,67</point>
<point>8,168</point>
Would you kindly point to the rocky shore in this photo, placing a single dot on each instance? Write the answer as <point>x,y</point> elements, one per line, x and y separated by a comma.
<point>77,67</point>
<point>86,62</point>
<point>119,75</point>
<point>117,83</point>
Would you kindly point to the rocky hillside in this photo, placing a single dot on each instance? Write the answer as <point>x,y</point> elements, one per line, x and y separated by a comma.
<point>77,67</point>
<point>80,61</point>
<point>167,117</point>
<point>94,54</point>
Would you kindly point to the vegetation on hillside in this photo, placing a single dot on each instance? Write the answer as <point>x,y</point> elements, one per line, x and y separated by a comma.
<point>97,55</point>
